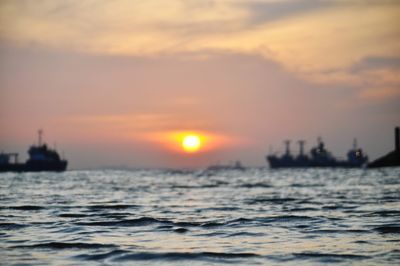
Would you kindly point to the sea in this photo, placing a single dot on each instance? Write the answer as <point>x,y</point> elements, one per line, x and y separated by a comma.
<point>179,217</point>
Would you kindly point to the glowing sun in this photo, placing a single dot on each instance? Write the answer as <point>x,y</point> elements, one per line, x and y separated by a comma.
<point>191,143</point>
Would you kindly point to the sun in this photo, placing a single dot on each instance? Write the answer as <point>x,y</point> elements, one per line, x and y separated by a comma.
<point>191,143</point>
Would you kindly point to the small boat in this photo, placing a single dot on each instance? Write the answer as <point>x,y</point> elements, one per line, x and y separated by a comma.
<point>41,158</point>
<point>221,167</point>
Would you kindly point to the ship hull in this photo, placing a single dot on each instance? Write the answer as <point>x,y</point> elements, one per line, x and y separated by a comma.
<point>392,159</point>
<point>35,167</point>
<point>275,162</point>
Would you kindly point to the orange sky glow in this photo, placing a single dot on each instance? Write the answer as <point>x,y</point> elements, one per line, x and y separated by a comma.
<point>209,141</point>
<point>119,83</point>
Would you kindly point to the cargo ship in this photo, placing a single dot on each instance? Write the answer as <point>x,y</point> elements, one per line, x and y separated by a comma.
<point>319,156</point>
<point>41,158</point>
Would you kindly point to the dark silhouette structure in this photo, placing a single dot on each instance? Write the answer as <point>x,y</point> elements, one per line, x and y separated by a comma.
<point>318,157</point>
<point>392,158</point>
<point>222,167</point>
<point>41,158</point>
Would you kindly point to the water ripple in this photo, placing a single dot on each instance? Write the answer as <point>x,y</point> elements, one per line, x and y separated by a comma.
<point>165,217</point>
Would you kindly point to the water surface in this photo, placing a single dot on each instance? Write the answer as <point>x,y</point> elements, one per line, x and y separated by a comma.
<point>252,217</point>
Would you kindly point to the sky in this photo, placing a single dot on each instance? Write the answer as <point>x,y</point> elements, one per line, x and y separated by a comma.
<point>113,83</point>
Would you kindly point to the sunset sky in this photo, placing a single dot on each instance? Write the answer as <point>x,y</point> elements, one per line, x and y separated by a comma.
<point>116,83</point>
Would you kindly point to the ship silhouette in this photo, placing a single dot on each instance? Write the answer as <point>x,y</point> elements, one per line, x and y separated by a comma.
<point>222,167</point>
<point>319,156</point>
<point>391,159</point>
<point>41,158</point>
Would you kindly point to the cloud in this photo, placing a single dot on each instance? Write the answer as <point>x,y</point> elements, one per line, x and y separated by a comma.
<point>374,62</point>
<point>139,122</point>
<point>380,94</point>
<point>379,78</point>
<point>262,12</point>
<point>339,42</point>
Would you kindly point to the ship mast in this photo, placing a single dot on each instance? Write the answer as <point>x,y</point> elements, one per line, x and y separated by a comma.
<point>40,135</point>
<point>301,144</point>
<point>355,144</point>
<point>287,144</point>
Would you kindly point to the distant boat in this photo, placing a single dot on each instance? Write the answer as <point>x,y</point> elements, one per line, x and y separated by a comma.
<point>41,158</point>
<point>318,157</point>
<point>221,167</point>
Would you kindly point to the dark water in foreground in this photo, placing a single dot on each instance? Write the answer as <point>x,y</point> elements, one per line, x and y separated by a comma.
<point>295,217</point>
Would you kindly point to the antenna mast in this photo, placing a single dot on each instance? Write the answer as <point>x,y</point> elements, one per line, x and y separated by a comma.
<point>355,144</point>
<point>301,144</point>
<point>287,144</point>
<point>40,135</point>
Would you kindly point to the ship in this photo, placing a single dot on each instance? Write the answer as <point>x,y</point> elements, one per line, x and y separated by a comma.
<point>41,158</point>
<point>319,156</point>
<point>392,159</point>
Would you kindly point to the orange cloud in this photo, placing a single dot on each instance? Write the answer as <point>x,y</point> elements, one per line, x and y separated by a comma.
<point>379,94</point>
<point>312,43</point>
<point>319,44</point>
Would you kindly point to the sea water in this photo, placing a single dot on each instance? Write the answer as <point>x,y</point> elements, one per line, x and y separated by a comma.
<point>164,217</point>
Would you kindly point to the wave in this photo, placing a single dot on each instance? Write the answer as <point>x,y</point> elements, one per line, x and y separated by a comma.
<point>184,256</point>
<point>245,234</point>
<point>129,222</point>
<point>24,207</point>
<point>113,215</point>
<point>305,209</point>
<point>255,185</point>
<point>73,215</point>
<point>390,198</point>
<point>100,256</point>
<point>181,230</point>
<point>305,185</point>
<point>287,218</point>
<point>255,220</point>
<point>222,209</point>
<point>11,226</point>
<point>388,229</point>
<point>83,215</point>
<point>166,224</point>
<point>332,231</point>
<point>334,256</point>
<point>269,200</point>
<point>144,221</point>
<point>112,207</point>
<point>338,207</point>
<point>385,213</point>
<point>201,186</point>
<point>64,245</point>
